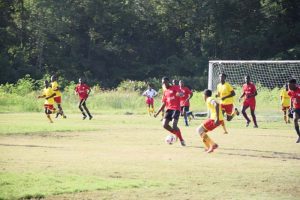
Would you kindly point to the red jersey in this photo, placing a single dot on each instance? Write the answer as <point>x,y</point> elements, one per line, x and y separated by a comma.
<point>82,90</point>
<point>170,98</point>
<point>186,93</point>
<point>295,97</point>
<point>249,89</point>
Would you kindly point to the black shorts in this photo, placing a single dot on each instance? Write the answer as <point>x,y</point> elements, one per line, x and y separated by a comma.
<point>185,108</point>
<point>172,114</point>
<point>297,111</point>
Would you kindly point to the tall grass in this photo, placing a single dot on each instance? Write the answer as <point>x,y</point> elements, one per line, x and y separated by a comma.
<point>127,98</point>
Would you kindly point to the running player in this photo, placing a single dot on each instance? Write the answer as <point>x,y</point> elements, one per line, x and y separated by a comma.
<point>215,120</point>
<point>285,102</point>
<point>83,91</point>
<point>185,101</point>
<point>294,93</point>
<point>49,95</point>
<point>150,93</point>
<point>249,93</point>
<point>171,101</point>
<point>226,93</point>
<point>57,98</point>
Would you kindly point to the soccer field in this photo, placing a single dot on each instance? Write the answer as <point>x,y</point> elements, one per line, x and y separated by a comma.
<point>125,157</point>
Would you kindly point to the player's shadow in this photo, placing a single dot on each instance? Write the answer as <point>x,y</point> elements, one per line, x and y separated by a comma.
<point>29,145</point>
<point>260,153</point>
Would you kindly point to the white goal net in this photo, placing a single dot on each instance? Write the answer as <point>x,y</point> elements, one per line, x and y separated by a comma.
<point>269,74</point>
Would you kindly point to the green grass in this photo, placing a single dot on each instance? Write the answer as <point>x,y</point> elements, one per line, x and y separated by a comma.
<point>40,185</point>
<point>125,157</point>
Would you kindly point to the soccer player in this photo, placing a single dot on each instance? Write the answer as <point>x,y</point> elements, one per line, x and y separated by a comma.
<point>171,103</point>
<point>175,83</point>
<point>226,93</point>
<point>49,95</point>
<point>285,103</point>
<point>294,93</point>
<point>215,120</point>
<point>83,91</point>
<point>150,93</point>
<point>249,93</point>
<point>185,101</point>
<point>57,98</point>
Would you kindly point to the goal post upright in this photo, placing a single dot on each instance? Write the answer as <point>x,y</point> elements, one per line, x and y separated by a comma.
<point>210,75</point>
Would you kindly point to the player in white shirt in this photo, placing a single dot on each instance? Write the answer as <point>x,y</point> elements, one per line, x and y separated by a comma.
<point>150,93</point>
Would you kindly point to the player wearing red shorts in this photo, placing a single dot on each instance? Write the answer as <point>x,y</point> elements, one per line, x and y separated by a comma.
<point>285,102</point>
<point>249,93</point>
<point>83,91</point>
<point>215,120</point>
<point>57,98</point>
<point>150,93</point>
<point>171,103</point>
<point>185,102</point>
<point>294,93</point>
<point>48,94</point>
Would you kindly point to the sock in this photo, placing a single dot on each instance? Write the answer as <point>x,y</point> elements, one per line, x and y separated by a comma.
<point>48,116</point>
<point>206,141</point>
<point>178,134</point>
<point>297,130</point>
<point>254,119</point>
<point>186,120</point>
<point>246,117</point>
<point>148,110</point>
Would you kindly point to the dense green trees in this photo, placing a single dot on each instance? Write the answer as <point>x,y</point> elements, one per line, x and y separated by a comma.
<point>108,41</point>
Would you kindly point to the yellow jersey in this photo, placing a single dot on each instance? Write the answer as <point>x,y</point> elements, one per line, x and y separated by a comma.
<point>48,92</point>
<point>212,109</point>
<point>285,98</point>
<point>55,87</point>
<point>225,90</point>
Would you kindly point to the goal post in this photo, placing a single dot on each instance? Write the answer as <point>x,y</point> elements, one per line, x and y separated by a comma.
<point>269,74</point>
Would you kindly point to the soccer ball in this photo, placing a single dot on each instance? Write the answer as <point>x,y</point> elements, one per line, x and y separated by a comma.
<point>170,139</point>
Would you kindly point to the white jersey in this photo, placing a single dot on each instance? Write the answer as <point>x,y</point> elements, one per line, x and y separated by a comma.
<point>150,93</point>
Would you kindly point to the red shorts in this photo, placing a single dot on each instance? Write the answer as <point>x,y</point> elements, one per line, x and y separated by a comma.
<point>227,108</point>
<point>285,108</point>
<point>57,99</point>
<point>210,125</point>
<point>49,106</point>
<point>149,101</point>
<point>250,104</point>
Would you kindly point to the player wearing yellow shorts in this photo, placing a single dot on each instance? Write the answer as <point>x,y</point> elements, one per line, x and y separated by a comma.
<point>48,94</point>
<point>215,120</point>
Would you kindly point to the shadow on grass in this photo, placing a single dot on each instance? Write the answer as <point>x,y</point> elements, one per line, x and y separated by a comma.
<point>264,154</point>
<point>21,145</point>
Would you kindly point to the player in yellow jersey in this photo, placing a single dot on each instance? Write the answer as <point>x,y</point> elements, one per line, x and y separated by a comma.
<point>48,94</point>
<point>285,102</point>
<point>226,93</point>
<point>57,98</point>
<point>215,120</point>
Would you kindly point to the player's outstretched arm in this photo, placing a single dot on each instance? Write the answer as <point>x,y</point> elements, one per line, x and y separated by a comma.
<point>160,109</point>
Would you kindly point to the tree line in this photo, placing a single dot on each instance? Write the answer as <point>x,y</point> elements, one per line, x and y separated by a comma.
<point>108,41</point>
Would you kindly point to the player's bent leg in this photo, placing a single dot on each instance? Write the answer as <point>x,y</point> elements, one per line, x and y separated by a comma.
<point>254,118</point>
<point>87,110</point>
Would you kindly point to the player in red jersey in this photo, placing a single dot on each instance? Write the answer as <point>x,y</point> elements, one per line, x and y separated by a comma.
<point>185,101</point>
<point>249,93</point>
<point>294,93</point>
<point>171,103</point>
<point>83,91</point>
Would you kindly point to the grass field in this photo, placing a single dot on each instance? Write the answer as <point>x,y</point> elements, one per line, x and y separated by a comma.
<point>125,157</point>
